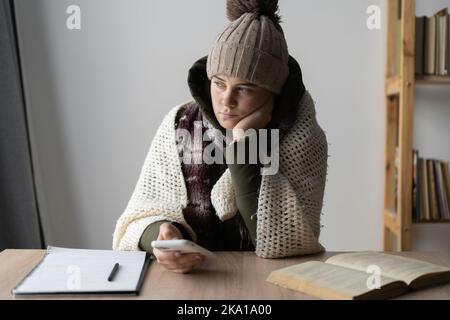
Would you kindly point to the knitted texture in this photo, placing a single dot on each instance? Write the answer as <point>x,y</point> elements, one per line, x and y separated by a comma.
<point>160,192</point>
<point>223,198</point>
<point>289,202</point>
<point>253,49</point>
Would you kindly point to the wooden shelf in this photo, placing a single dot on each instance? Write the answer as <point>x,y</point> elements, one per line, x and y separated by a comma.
<point>431,221</point>
<point>400,82</point>
<point>429,79</point>
<point>399,107</point>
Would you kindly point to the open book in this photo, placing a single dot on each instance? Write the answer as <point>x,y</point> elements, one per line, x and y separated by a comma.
<point>360,275</point>
<point>80,271</point>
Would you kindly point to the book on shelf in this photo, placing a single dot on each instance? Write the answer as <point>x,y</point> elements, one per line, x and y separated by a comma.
<point>420,45</point>
<point>443,202</point>
<point>415,186</point>
<point>360,275</point>
<point>430,188</point>
<point>446,177</point>
<point>433,190</point>
<point>424,209</point>
<point>432,44</point>
<point>442,42</point>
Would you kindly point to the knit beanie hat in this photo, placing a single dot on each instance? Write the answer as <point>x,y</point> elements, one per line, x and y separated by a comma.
<point>252,47</point>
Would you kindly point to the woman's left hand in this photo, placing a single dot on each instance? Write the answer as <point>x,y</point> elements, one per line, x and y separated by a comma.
<point>258,119</point>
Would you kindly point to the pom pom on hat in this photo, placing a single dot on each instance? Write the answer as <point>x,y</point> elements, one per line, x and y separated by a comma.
<point>269,8</point>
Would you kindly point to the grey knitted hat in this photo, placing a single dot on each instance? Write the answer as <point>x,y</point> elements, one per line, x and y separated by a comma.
<point>252,47</point>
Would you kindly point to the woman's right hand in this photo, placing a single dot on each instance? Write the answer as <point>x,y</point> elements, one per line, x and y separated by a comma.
<point>174,260</point>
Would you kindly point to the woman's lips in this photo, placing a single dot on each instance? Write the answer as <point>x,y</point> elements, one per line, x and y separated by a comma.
<point>227,115</point>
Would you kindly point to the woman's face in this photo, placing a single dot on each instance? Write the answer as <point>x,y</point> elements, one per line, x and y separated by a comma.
<point>233,99</point>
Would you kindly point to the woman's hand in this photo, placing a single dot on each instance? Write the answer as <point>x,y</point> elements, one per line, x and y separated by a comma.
<point>258,119</point>
<point>174,260</point>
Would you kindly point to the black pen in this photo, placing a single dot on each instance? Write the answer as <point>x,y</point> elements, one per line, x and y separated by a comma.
<point>113,272</point>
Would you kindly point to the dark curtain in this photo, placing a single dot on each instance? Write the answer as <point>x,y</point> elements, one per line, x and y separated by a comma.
<point>19,215</point>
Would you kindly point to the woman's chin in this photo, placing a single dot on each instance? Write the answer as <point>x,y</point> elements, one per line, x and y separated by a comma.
<point>228,124</point>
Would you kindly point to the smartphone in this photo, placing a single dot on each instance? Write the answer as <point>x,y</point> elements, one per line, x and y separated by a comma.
<point>182,245</point>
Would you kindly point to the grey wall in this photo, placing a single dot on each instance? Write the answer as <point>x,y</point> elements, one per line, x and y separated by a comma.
<point>96,97</point>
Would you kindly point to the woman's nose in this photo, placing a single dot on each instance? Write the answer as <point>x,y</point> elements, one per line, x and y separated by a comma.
<point>228,100</point>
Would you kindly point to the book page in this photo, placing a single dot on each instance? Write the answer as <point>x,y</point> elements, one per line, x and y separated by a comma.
<point>397,267</point>
<point>326,281</point>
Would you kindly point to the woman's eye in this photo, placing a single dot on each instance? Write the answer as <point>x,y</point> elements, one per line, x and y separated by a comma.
<point>218,84</point>
<point>244,90</point>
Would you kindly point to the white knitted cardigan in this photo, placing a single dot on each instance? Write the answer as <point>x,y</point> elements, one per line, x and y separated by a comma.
<point>289,202</point>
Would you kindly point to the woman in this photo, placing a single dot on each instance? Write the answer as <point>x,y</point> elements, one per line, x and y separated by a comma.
<point>247,82</point>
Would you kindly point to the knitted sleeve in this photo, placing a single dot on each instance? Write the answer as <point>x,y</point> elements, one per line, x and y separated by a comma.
<point>290,201</point>
<point>159,194</point>
<point>223,197</point>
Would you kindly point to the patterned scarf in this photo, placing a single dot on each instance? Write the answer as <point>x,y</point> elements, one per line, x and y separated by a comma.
<point>199,178</point>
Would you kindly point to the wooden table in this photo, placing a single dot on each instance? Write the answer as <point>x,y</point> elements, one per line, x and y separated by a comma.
<point>233,275</point>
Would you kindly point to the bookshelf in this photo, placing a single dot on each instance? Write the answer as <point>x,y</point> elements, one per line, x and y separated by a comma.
<point>399,103</point>
<point>425,79</point>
